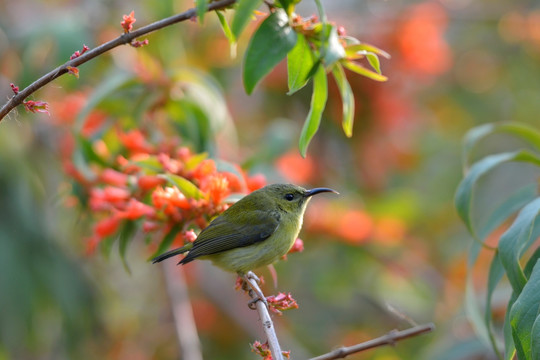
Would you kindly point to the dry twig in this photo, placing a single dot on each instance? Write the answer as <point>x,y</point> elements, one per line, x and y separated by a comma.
<point>126,38</point>
<point>389,339</point>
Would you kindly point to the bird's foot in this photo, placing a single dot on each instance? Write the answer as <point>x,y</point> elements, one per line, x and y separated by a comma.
<point>251,284</point>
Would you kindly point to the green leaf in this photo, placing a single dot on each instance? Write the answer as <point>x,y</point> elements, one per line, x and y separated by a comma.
<point>288,5</point>
<point>228,32</point>
<point>535,339</point>
<point>151,164</point>
<point>331,48</point>
<point>496,272</point>
<point>465,192</point>
<point>363,49</point>
<point>269,45</point>
<point>167,241</point>
<point>299,64</point>
<point>359,69</point>
<point>509,347</point>
<point>347,98</point>
<point>106,88</point>
<point>374,62</point>
<point>242,16</point>
<point>202,5</point>
<point>126,235</point>
<point>318,103</point>
<point>473,136</point>
<point>524,313</point>
<point>518,238</point>
<point>184,185</point>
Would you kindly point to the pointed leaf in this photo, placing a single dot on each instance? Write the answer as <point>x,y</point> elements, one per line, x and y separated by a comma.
<point>187,188</point>
<point>359,69</point>
<point>465,192</point>
<point>374,62</point>
<point>331,48</point>
<point>496,272</point>
<point>347,98</point>
<point>126,235</point>
<point>535,339</point>
<point>269,45</point>
<point>509,347</point>
<point>363,49</point>
<point>202,5</point>
<point>242,15</point>
<point>518,238</point>
<point>299,64</point>
<point>318,103</point>
<point>522,131</point>
<point>228,32</point>
<point>524,312</point>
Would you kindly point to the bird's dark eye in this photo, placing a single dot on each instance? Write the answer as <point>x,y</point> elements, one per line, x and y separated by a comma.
<point>289,197</point>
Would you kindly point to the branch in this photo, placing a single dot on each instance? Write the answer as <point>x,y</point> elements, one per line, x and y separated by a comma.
<point>126,38</point>
<point>388,339</point>
<point>262,309</point>
<point>188,339</point>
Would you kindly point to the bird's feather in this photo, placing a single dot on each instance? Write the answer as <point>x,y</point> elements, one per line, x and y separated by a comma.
<point>221,235</point>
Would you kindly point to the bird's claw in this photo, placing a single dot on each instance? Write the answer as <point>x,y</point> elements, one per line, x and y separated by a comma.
<point>252,304</point>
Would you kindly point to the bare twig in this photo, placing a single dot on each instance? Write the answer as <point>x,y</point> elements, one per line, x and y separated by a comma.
<point>388,339</point>
<point>126,38</point>
<point>262,309</point>
<point>188,339</point>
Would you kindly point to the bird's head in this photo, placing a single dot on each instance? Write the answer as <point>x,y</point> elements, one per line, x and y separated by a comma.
<point>291,198</point>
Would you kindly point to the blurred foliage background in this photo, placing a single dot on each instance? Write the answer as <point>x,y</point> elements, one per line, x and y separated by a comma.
<point>388,252</point>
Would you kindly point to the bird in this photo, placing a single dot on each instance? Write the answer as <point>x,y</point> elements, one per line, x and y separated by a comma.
<point>255,231</point>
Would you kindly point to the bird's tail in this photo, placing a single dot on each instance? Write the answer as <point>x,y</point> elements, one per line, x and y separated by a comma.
<point>172,253</point>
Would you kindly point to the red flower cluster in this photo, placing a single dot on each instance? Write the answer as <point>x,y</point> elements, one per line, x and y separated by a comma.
<point>281,302</point>
<point>78,53</point>
<point>127,22</point>
<point>264,350</point>
<point>165,190</point>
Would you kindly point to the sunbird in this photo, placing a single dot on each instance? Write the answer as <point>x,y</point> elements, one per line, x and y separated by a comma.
<point>255,231</point>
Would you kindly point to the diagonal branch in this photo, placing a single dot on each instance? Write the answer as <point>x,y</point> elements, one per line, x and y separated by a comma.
<point>266,320</point>
<point>126,38</point>
<point>388,339</point>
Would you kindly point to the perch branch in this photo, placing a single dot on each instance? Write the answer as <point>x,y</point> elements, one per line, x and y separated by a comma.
<point>123,39</point>
<point>262,309</point>
<point>389,339</point>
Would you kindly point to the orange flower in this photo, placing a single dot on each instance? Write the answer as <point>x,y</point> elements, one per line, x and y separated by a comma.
<point>136,209</point>
<point>255,182</point>
<point>113,177</point>
<point>421,39</point>
<point>295,168</point>
<point>355,226</point>
<point>235,184</point>
<point>217,187</point>
<point>107,226</point>
<point>205,168</point>
<point>168,199</point>
<point>115,195</point>
<point>135,142</point>
<point>149,226</point>
<point>389,230</point>
<point>93,122</point>
<point>148,182</point>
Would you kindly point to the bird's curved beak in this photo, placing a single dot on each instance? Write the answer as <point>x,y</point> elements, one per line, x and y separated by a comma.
<point>316,191</point>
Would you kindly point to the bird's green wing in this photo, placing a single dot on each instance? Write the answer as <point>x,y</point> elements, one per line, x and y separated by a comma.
<point>221,235</point>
